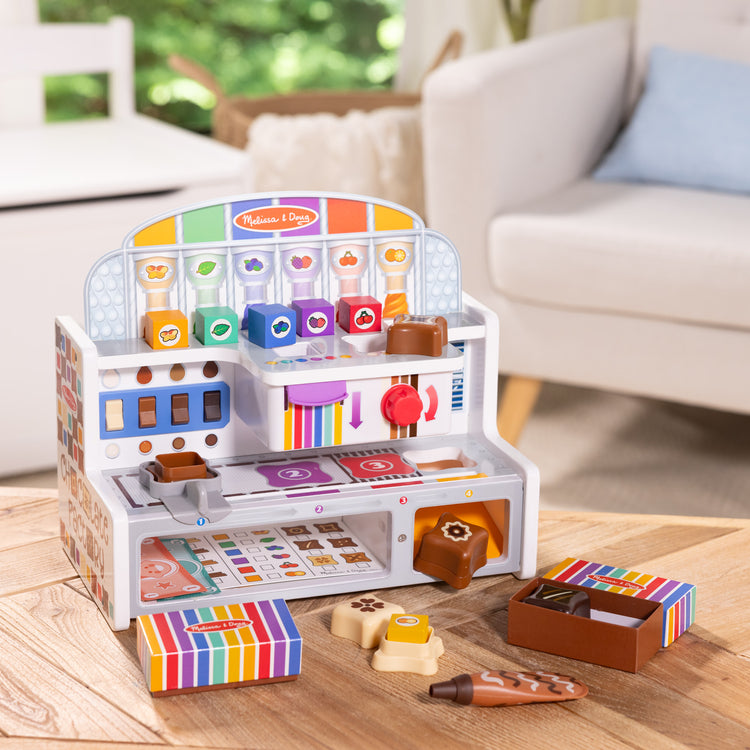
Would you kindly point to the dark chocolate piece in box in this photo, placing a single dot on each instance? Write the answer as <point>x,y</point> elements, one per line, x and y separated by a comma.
<point>561,600</point>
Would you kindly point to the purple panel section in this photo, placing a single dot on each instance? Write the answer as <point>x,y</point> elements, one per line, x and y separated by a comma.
<point>662,594</point>
<point>279,636</point>
<point>187,648</point>
<point>317,394</point>
<point>318,492</point>
<point>311,203</point>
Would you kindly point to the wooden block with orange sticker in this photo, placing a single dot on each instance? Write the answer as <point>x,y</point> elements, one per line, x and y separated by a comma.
<point>166,329</point>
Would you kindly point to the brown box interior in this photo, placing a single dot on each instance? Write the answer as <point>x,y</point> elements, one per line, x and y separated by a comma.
<point>581,638</point>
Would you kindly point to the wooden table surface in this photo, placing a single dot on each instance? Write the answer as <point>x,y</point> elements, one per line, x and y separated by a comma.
<point>67,680</point>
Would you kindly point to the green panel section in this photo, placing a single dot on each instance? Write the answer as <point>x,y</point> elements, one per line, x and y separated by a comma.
<point>204,224</point>
<point>328,418</point>
<point>218,658</point>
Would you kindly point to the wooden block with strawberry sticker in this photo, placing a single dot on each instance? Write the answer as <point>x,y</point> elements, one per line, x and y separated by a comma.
<point>314,317</point>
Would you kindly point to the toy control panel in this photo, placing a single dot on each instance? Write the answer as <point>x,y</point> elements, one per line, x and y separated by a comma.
<point>286,394</point>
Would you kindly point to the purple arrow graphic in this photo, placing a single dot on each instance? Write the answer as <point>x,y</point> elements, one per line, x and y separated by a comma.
<point>356,403</point>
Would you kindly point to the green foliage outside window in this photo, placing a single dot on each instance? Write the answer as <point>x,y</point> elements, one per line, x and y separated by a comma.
<point>252,47</point>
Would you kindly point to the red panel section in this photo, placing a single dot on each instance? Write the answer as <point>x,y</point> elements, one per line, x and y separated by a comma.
<point>346,216</point>
<point>263,645</point>
<point>171,649</point>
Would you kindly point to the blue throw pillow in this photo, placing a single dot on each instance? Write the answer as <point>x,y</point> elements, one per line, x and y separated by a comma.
<point>691,126</point>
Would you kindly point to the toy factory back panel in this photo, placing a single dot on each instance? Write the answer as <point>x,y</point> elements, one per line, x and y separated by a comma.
<point>281,396</point>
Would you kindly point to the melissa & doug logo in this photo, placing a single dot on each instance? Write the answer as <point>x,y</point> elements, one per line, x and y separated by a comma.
<point>616,582</point>
<point>275,218</point>
<point>218,625</point>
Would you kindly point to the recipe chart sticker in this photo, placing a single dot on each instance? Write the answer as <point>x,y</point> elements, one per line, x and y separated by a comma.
<point>321,548</point>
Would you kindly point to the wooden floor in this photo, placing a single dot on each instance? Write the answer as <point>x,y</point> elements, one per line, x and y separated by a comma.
<point>66,680</point>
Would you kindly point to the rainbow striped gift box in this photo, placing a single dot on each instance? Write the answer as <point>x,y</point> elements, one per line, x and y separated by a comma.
<point>678,599</point>
<point>209,647</point>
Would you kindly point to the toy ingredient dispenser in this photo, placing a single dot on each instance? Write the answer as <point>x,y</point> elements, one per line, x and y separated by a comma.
<point>279,396</point>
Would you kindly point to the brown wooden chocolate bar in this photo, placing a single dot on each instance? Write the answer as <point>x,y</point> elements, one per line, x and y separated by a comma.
<point>506,688</point>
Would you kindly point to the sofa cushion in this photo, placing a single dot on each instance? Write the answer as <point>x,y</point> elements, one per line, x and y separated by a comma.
<point>690,125</point>
<point>643,250</point>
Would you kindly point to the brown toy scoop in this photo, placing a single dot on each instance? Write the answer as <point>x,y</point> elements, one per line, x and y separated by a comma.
<point>504,688</point>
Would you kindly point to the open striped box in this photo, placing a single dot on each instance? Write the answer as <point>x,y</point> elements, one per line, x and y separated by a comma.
<point>646,612</point>
<point>677,599</point>
<point>216,647</point>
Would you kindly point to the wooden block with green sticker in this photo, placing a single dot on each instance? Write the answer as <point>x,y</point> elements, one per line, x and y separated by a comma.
<point>216,325</point>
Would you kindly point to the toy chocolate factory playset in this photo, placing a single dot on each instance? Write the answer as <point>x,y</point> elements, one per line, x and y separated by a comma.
<point>280,396</point>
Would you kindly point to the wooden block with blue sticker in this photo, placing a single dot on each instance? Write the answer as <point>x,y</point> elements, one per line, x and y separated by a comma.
<point>216,325</point>
<point>270,325</point>
<point>207,648</point>
<point>166,329</point>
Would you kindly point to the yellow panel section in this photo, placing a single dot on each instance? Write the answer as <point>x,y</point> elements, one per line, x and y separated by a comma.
<point>233,654</point>
<point>163,232</point>
<point>288,427</point>
<point>338,423</point>
<point>455,479</point>
<point>158,668</point>
<point>389,219</point>
<point>245,656</point>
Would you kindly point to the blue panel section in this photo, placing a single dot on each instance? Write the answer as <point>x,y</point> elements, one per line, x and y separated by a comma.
<point>295,641</point>
<point>163,410</point>
<point>676,595</point>
<point>318,427</point>
<point>239,208</point>
<point>203,647</point>
<point>457,384</point>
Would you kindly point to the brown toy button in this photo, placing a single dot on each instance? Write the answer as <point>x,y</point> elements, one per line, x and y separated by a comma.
<point>417,334</point>
<point>180,408</point>
<point>401,405</point>
<point>147,411</point>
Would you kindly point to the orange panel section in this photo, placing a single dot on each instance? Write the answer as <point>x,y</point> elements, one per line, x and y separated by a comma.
<point>163,232</point>
<point>346,216</point>
<point>389,219</point>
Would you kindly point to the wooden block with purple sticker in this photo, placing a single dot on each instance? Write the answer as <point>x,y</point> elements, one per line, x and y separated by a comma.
<point>315,317</point>
<point>251,643</point>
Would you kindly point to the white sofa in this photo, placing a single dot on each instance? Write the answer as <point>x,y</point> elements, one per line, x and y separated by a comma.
<point>637,288</point>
